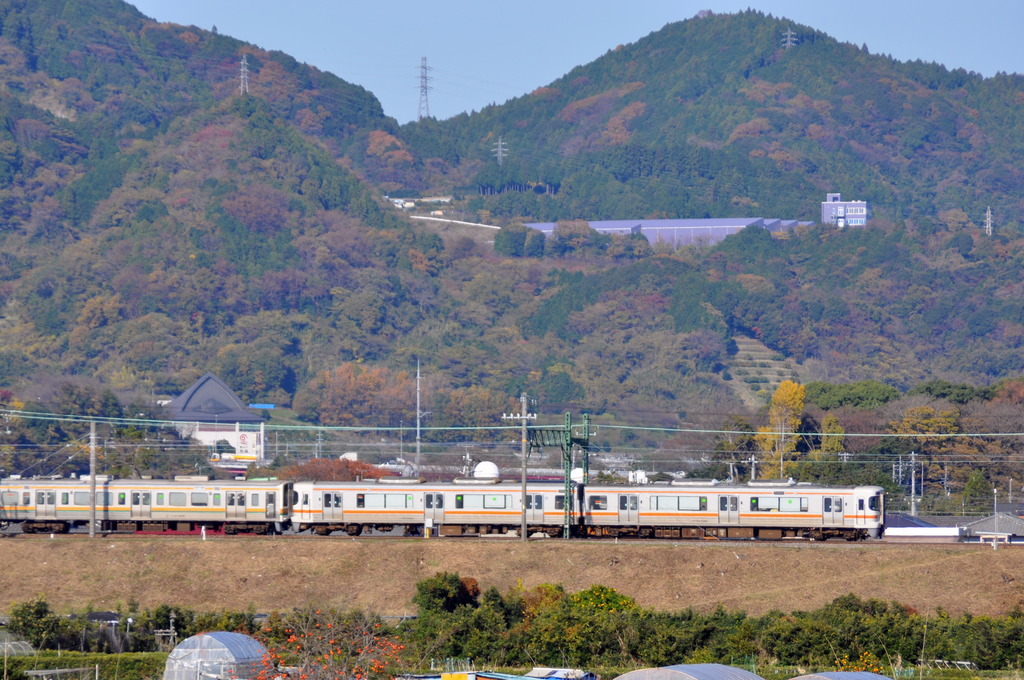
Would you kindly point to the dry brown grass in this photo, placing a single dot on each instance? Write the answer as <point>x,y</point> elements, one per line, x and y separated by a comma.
<point>280,573</point>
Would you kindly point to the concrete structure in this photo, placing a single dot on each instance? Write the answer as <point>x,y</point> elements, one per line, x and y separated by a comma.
<point>679,233</point>
<point>834,210</point>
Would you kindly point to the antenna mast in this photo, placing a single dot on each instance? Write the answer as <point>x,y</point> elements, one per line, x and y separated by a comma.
<point>424,110</point>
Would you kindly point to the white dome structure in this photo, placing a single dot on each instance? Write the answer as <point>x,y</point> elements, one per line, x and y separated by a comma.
<point>485,470</point>
<point>216,655</point>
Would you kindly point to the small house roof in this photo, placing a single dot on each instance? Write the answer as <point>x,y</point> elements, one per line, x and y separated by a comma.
<point>209,400</point>
<point>1003,523</point>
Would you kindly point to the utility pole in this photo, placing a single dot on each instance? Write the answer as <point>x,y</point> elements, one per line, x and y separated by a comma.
<point>913,484</point>
<point>523,416</point>
<point>424,110</point>
<point>419,414</point>
<point>500,150</point>
<point>92,479</point>
<point>243,77</point>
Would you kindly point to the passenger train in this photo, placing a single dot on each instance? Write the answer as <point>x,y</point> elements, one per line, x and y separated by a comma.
<point>695,509</point>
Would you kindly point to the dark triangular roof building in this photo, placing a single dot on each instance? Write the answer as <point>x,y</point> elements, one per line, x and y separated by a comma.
<point>209,400</point>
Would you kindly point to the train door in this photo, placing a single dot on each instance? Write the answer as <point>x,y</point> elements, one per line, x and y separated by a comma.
<point>433,508</point>
<point>142,502</point>
<point>629,508</point>
<point>729,509</point>
<point>46,504</point>
<point>860,517</point>
<point>272,504</point>
<point>332,505</point>
<point>236,505</point>
<point>534,508</point>
<point>832,510</point>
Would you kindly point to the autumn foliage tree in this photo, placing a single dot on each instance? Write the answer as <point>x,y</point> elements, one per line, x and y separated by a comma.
<point>326,644</point>
<point>330,470</point>
<point>778,439</point>
<point>355,394</point>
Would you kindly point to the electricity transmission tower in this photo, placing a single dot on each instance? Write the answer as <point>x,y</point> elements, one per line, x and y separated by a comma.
<point>424,110</point>
<point>243,76</point>
<point>500,150</point>
<point>988,221</point>
<point>789,39</point>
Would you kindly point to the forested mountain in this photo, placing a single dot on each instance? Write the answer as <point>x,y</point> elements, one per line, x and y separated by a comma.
<point>157,222</point>
<point>712,116</point>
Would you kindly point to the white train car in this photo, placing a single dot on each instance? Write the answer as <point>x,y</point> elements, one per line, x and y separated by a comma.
<point>186,504</point>
<point>462,507</point>
<point>767,509</point>
<point>693,509</point>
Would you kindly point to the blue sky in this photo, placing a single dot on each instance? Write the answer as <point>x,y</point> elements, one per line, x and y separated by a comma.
<point>483,52</point>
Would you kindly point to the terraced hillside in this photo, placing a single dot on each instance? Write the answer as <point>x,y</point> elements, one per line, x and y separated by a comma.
<point>757,371</point>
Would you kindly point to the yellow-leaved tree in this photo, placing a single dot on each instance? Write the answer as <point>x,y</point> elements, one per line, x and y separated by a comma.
<point>777,440</point>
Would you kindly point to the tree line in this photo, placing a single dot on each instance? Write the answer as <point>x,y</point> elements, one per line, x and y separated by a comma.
<point>595,628</point>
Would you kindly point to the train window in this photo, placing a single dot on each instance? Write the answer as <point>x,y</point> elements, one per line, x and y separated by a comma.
<point>534,502</point>
<point>199,498</point>
<point>428,500</point>
<point>216,499</point>
<point>622,501</point>
<point>241,499</point>
<point>146,498</point>
<point>81,498</point>
<point>305,499</point>
<point>826,504</point>
<point>496,501</point>
<point>10,498</point>
<point>177,499</point>
<point>599,502</point>
<point>26,498</point>
<point>159,498</point>
<point>328,500</point>
<point>839,505</point>
<point>271,498</point>
<point>122,498</point>
<point>135,497</point>
<point>255,500</point>
<point>860,504</point>
<point>64,498</point>
<point>559,502</point>
<point>873,503</point>
<point>703,503</point>
<point>397,500</point>
<point>231,500</point>
<point>723,503</point>
<point>439,500</point>
<point>459,501</point>
<point>360,500</point>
